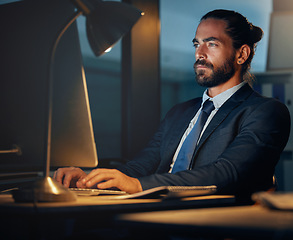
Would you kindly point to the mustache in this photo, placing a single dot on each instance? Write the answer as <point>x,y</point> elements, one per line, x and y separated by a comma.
<point>203,62</point>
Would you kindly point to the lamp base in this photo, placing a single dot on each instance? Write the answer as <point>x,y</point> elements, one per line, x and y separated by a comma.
<point>44,190</point>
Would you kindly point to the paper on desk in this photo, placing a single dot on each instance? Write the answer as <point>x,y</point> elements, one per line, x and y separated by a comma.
<point>275,200</point>
<point>168,192</point>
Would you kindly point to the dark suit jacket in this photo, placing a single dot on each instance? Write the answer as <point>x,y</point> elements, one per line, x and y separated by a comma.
<point>237,152</point>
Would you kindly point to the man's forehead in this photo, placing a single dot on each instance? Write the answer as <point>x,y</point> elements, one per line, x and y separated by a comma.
<point>212,29</point>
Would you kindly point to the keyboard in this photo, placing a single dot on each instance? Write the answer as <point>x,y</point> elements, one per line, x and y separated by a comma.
<point>96,192</point>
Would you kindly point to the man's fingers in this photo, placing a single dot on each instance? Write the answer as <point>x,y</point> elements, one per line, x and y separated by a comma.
<point>68,176</point>
<point>79,184</point>
<point>58,175</point>
<point>98,174</point>
<point>67,179</point>
<point>98,178</point>
<point>108,184</point>
<point>98,171</point>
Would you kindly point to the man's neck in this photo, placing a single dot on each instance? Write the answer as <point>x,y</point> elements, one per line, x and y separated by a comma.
<point>214,91</point>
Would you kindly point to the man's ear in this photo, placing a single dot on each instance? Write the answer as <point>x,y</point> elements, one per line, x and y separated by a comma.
<point>242,54</point>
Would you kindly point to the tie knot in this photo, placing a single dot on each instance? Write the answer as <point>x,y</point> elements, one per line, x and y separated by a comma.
<point>208,107</point>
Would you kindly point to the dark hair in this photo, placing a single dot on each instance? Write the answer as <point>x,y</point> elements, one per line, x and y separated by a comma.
<point>240,30</point>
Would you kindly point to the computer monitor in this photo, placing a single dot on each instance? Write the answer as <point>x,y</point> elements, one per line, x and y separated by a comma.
<point>28,29</point>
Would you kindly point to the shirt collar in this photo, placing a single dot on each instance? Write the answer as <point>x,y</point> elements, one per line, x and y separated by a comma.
<point>221,98</point>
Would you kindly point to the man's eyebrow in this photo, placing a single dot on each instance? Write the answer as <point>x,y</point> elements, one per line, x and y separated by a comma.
<point>206,39</point>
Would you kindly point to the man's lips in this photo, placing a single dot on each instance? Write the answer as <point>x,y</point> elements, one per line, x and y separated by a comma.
<point>200,66</point>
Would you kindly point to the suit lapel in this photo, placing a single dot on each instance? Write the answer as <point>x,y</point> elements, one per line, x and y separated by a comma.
<point>181,125</point>
<point>232,103</point>
<point>172,139</point>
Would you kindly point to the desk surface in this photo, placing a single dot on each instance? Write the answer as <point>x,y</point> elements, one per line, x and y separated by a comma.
<point>252,222</point>
<point>100,204</point>
<point>84,216</point>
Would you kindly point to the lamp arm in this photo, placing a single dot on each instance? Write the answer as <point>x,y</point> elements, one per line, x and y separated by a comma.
<point>50,81</point>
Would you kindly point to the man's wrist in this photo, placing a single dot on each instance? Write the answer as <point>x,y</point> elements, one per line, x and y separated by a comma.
<point>138,186</point>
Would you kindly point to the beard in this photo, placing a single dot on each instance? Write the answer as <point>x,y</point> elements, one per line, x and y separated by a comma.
<point>219,75</point>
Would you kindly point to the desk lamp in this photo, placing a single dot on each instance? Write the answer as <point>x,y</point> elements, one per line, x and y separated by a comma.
<point>106,23</point>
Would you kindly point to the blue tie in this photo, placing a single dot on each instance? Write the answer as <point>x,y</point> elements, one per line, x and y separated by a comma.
<point>185,154</point>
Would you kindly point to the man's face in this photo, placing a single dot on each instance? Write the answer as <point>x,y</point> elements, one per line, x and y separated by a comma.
<point>214,53</point>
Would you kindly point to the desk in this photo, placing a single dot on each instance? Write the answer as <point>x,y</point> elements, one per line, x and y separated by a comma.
<point>240,222</point>
<point>87,214</point>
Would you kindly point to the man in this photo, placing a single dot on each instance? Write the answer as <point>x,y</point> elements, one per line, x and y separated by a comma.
<point>243,136</point>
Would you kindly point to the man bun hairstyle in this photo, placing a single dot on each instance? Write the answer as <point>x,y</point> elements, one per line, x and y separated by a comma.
<point>240,30</point>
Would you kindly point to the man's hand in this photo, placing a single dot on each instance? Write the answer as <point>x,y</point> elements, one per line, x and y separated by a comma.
<point>108,178</point>
<point>70,177</point>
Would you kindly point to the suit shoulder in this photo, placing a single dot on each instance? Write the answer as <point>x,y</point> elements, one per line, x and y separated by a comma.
<point>249,97</point>
<point>266,101</point>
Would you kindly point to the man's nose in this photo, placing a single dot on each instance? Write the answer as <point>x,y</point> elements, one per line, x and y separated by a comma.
<point>200,52</point>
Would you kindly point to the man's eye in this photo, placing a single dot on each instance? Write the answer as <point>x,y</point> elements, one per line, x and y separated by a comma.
<point>195,45</point>
<point>211,44</point>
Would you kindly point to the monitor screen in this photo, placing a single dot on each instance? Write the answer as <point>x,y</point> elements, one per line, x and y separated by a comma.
<point>28,30</point>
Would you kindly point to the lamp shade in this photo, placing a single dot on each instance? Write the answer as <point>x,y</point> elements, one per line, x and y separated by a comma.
<point>107,22</point>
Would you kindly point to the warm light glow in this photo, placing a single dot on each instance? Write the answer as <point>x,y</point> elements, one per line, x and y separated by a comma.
<point>108,49</point>
<point>53,187</point>
<point>142,14</point>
